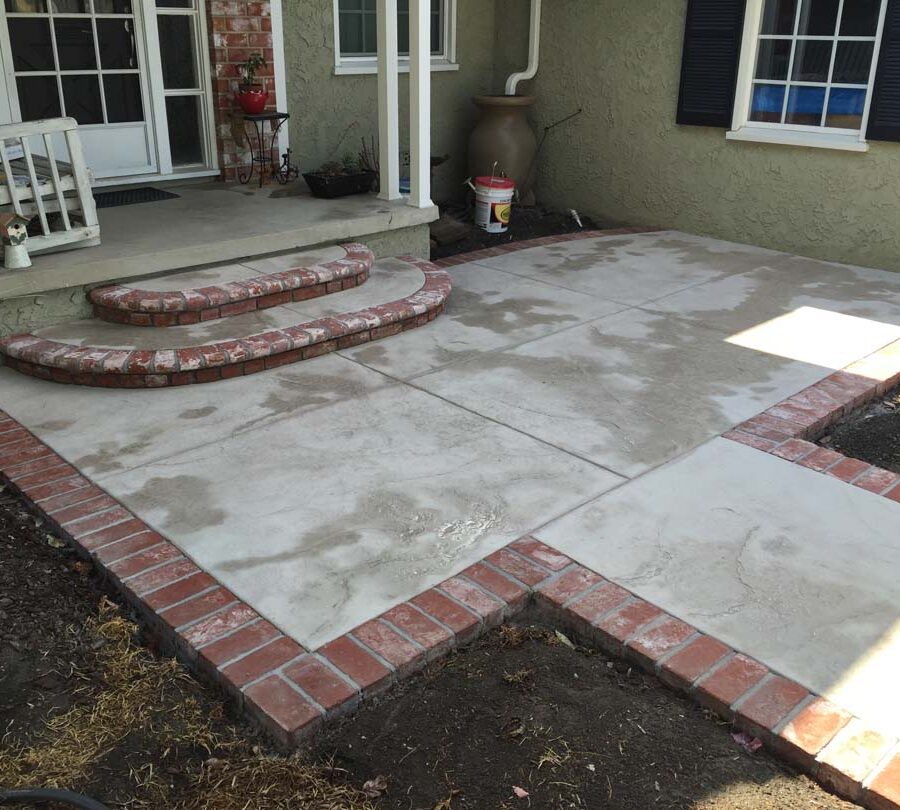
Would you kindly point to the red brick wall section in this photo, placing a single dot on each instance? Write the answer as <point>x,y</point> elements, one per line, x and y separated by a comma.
<point>237,28</point>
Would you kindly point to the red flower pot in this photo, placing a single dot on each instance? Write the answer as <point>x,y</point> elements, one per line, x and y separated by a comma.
<point>252,99</point>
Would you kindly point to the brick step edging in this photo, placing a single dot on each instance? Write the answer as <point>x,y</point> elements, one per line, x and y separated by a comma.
<point>113,368</point>
<point>139,307</point>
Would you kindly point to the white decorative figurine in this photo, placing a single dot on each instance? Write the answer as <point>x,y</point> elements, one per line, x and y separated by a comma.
<point>14,234</point>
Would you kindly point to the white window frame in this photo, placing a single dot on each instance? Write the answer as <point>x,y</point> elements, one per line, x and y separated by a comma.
<point>362,65</point>
<point>742,129</point>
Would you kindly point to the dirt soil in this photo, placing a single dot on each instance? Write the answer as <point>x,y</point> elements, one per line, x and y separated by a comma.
<point>85,705</point>
<point>526,223</point>
<point>871,434</point>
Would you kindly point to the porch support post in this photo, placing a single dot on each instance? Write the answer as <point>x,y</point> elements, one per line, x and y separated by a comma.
<point>420,103</point>
<point>388,101</point>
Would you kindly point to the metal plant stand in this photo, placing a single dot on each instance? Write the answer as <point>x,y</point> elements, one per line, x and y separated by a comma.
<point>260,155</point>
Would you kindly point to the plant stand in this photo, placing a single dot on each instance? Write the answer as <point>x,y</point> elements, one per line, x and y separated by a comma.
<point>260,155</point>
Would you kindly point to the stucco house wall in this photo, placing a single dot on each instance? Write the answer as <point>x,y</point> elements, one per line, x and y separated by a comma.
<point>324,105</point>
<point>625,159</point>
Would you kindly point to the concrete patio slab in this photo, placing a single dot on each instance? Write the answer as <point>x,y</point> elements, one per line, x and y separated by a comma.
<point>102,434</point>
<point>787,284</point>
<point>325,520</point>
<point>795,568</point>
<point>629,391</point>
<point>635,269</point>
<point>488,310</point>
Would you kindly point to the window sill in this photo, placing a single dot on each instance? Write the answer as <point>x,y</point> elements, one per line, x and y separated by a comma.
<point>785,137</point>
<point>369,67</point>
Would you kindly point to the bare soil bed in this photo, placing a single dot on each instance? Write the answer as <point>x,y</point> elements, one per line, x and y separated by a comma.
<point>525,223</point>
<point>85,705</point>
<point>870,434</point>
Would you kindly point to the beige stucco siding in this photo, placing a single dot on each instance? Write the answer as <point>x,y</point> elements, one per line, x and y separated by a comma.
<point>322,105</point>
<point>625,160</point>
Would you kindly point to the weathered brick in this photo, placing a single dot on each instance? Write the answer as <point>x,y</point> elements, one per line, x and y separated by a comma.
<point>496,583</point>
<point>214,627</point>
<point>487,607</point>
<point>687,665</point>
<point>113,552</point>
<point>161,577</point>
<point>850,757</point>
<point>282,709</point>
<point>152,557</point>
<point>266,659</point>
<point>425,632</point>
<point>615,628</point>
<point>884,791</point>
<point>460,620</point>
<point>793,449</point>
<point>517,566</point>
<point>114,533</point>
<point>877,480</point>
<point>848,469</point>
<point>569,585</point>
<point>770,704</point>
<point>814,726</point>
<point>357,663</point>
<point>198,607</point>
<point>403,655</point>
<point>321,683</point>
<point>821,459</point>
<point>652,643</point>
<point>179,591</point>
<point>541,553</point>
<point>751,440</point>
<point>599,602</point>
<point>719,690</point>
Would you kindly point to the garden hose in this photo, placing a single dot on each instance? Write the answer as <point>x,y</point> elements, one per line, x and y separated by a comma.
<point>49,795</point>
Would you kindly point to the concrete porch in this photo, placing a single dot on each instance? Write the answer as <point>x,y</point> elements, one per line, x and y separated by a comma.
<point>208,223</point>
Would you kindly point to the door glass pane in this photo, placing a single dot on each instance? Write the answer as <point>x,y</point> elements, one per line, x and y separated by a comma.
<point>32,48</point>
<point>117,44</point>
<point>779,16</point>
<point>75,44</point>
<point>845,108</point>
<point>774,57</point>
<point>70,6</point>
<point>860,18</point>
<point>176,44</point>
<point>174,4</point>
<point>82,98</point>
<point>853,62</point>
<point>767,103</point>
<point>185,141</point>
<point>26,6</point>
<point>38,97</point>
<point>805,106</point>
<point>812,60</point>
<point>113,6</point>
<point>123,97</point>
<point>818,18</point>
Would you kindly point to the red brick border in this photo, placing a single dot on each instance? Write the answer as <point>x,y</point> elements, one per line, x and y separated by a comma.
<point>789,429</point>
<point>139,307</point>
<point>116,368</point>
<point>291,691</point>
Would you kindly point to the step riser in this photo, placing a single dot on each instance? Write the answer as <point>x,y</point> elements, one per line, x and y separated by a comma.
<point>139,368</point>
<point>226,372</point>
<point>138,307</point>
<point>164,319</point>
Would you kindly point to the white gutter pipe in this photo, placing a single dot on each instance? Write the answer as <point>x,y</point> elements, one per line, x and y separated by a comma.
<point>534,51</point>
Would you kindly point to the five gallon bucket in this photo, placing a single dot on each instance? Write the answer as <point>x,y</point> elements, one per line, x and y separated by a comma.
<point>493,203</point>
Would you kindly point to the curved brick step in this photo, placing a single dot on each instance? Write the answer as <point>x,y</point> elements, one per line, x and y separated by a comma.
<point>138,306</point>
<point>154,368</point>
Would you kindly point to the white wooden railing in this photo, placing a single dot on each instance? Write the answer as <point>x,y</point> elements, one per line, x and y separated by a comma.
<point>38,184</point>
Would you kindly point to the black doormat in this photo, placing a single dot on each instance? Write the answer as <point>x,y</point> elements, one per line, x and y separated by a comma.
<point>132,196</point>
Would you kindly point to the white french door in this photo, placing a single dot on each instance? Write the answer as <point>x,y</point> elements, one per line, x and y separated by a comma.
<point>133,73</point>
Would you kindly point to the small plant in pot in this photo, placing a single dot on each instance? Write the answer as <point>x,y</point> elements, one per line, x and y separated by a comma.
<point>251,95</point>
<point>353,174</point>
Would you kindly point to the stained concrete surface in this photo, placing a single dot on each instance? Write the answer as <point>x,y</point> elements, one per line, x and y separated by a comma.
<point>329,491</point>
<point>794,567</point>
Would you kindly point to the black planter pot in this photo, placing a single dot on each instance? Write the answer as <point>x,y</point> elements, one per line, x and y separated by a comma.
<point>330,186</point>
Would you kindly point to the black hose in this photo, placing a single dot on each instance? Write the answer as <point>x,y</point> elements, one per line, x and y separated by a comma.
<point>49,795</point>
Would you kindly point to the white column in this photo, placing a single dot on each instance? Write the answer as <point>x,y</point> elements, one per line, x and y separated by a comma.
<point>388,101</point>
<point>420,103</point>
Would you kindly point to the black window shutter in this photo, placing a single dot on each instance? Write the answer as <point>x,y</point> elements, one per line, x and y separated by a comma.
<point>709,64</point>
<point>884,113</point>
